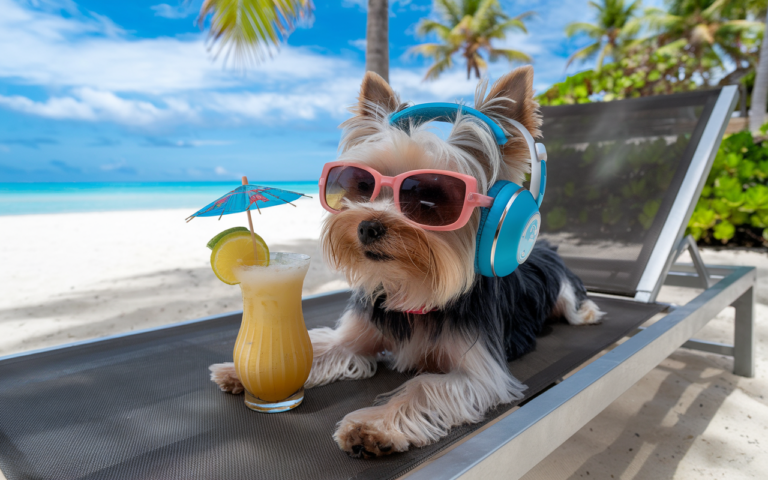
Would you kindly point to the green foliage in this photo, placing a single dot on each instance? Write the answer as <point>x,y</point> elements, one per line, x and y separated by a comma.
<point>645,71</point>
<point>735,197</point>
<point>685,46</point>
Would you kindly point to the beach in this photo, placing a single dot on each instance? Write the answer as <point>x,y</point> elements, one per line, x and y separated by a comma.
<point>77,276</point>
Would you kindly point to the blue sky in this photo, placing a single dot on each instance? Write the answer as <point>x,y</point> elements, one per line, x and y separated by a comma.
<point>126,91</point>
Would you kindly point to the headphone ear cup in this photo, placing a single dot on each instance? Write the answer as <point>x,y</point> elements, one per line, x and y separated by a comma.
<point>508,230</point>
<point>484,212</point>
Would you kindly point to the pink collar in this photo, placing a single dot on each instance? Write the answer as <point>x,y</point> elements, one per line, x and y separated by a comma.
<point>420,311</point>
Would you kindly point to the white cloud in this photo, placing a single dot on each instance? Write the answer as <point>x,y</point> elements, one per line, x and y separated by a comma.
<point>95,105</point>
<point>119,167</point>
<point>360,43</point>
<point>91,52</point>
<point>221,171</point>
<point>182,10</point>
<point>361,5</point>
<point>208,143</point>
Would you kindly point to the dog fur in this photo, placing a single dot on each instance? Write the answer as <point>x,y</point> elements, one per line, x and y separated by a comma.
<point>476,324</point>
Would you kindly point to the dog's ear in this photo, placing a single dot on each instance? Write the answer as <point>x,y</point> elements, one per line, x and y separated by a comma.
<point>376,97</point>
<point>511,97</point>
<point>375,103</point>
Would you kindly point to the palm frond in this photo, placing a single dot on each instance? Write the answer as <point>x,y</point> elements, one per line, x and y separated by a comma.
<point>500,30</point>
<point>433,50</point>
<point>604,52</point>
<point>451,9</point>
<point>509,55</point>
<point>714,9</point>
<point>576,28</point>
<point>673,47</point>
<point>584,54</point>
<point>631,28</point>
<point>437,68</point>
<point>741,26</point>
<point>488,12</point>
<point>247,30</point>
<point>658,19</point>
<point>524,15</point>
<point>427,26</point>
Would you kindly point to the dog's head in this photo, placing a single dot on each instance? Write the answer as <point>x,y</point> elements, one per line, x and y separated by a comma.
<point>372,242</point>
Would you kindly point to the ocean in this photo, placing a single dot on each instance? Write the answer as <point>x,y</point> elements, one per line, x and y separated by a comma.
<point>38,198</point>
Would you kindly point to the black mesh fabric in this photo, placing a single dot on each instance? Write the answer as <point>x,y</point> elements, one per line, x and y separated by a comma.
<point>142,406</point>
<point>613,173</point>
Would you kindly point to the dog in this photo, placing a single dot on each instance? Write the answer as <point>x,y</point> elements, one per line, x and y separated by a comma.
<point>418,301</point>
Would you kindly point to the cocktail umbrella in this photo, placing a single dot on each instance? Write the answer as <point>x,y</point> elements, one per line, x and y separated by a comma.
<point>243,198</point>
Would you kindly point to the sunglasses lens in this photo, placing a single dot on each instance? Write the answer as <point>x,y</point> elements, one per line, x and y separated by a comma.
<point>348,183</point>
<point>432,199</point>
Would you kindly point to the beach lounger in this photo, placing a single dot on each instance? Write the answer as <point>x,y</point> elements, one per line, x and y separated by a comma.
<point>624,178</point>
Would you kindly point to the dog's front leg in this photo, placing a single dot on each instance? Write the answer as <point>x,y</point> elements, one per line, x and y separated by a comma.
<point>347,352</point>
<point>425,408</point>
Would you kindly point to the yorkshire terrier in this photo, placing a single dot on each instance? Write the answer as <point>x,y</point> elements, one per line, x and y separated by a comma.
<point>418,301</point>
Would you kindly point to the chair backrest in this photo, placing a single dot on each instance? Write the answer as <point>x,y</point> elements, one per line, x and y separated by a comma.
<point>623,180</point>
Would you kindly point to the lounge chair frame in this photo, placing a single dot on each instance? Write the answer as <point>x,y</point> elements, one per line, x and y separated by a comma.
<point>666,249</point>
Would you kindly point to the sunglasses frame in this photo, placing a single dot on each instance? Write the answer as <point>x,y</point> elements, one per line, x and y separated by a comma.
<point>472,198</point>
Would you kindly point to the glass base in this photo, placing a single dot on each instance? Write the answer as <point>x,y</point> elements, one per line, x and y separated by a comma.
<point>259,405</point>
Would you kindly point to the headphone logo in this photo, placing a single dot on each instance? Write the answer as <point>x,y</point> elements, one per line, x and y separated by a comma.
<point>530,234</point>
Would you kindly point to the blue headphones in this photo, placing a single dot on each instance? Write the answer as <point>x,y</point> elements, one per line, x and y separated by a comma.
<point>508,228</point>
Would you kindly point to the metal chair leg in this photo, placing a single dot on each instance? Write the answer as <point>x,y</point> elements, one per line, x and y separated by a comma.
<point>744,335</point>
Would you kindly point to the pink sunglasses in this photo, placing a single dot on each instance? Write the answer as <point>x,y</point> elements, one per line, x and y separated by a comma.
<point>432,199</point>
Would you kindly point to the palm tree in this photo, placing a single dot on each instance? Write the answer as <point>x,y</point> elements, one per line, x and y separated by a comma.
<point>614,29</point>
<point>467,28</point>
<point>247,30</point>
<point>702,28</point>
<point>377,38</point>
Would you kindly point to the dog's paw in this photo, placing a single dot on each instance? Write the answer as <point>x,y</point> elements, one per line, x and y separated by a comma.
<point>362,434</point>
<point>225,376</point>
<point>590,313</point>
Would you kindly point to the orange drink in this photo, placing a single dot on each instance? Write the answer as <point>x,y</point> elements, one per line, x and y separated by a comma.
<point>273,353</point>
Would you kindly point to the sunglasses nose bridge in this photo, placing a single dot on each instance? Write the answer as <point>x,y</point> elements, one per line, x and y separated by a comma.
<point>387,182</point>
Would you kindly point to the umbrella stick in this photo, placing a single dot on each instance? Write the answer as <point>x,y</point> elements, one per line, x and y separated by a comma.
<point>250,224</point>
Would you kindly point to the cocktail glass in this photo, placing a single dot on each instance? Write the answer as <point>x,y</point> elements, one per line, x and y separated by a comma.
<point>273,353</point>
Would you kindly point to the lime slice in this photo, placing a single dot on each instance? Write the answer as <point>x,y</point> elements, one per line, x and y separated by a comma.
<point>212,242</point>
<point>235,249</point>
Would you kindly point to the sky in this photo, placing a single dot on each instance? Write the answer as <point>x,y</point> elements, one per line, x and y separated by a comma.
<point>100,90</point>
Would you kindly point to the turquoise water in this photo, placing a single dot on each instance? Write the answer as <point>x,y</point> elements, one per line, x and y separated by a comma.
<point>36,198</point>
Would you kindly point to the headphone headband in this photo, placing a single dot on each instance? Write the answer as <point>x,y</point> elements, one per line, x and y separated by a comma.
<point>426,112</point>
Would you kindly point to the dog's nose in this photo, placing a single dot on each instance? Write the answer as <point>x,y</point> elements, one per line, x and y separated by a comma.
<point>370,232</point>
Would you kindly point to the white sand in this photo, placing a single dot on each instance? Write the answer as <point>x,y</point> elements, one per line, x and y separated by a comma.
<point>71,277</point>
